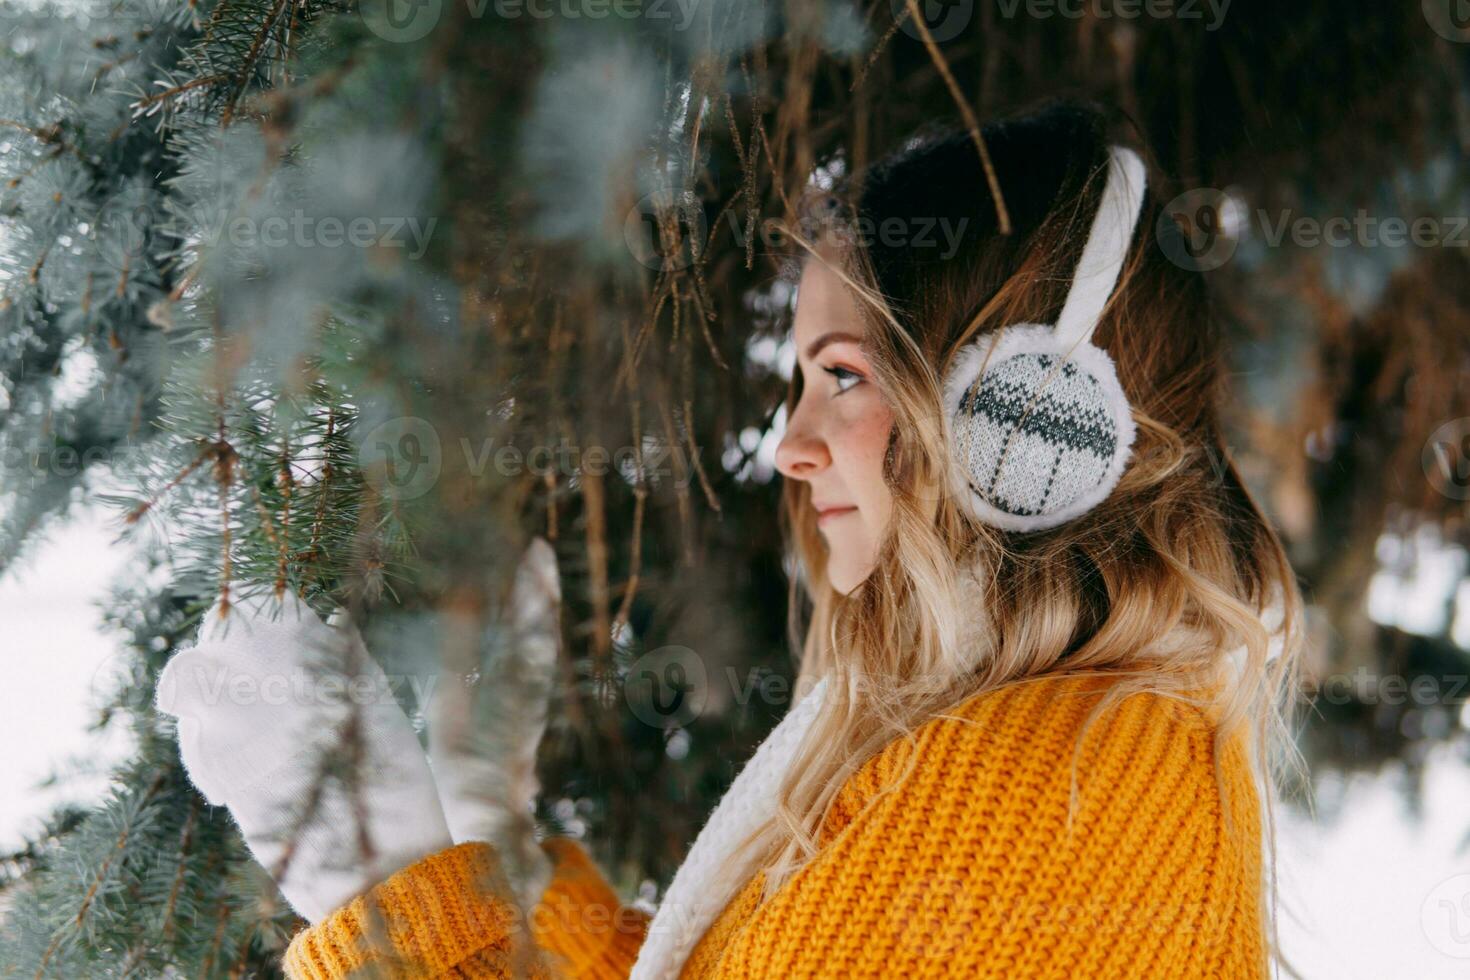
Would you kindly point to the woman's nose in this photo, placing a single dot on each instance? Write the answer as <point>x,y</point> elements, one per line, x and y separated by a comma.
<point>801,454</point>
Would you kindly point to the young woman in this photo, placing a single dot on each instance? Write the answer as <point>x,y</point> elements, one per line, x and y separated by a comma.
<point>1040,702</point>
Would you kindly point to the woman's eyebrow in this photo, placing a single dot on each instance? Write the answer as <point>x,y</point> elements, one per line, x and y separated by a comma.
<point>832,337</point>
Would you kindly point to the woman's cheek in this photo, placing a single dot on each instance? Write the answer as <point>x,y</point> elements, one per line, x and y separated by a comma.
<point>865,436</point>
<point>868,431</point>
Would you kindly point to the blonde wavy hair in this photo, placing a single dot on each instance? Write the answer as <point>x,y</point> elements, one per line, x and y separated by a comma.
<point>1179,549</point>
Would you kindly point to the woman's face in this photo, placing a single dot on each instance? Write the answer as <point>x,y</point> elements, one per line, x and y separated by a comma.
<point>838,434</point>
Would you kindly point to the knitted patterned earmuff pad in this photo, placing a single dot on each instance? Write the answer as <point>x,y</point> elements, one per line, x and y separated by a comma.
<point>1035,433</point>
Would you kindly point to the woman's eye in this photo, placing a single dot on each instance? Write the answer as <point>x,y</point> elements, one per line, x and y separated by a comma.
<point>845,379</point>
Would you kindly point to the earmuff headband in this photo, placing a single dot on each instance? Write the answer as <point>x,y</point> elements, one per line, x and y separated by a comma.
<point>1038,423</point>
<point>1106,247</point>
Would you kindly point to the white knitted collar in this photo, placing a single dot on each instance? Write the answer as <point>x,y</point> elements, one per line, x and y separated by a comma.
<point>699,892</point>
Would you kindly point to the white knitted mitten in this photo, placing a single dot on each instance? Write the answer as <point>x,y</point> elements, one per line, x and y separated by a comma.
<point>268,688</point>
<point>484,730</point>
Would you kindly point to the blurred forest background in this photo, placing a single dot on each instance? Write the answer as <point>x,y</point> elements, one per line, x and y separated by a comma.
<point>351,298</point>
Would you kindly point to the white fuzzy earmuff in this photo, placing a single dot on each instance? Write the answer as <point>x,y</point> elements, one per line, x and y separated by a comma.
<point>1039,428</point>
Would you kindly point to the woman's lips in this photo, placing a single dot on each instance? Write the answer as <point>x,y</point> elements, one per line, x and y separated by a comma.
<point>834,512</point>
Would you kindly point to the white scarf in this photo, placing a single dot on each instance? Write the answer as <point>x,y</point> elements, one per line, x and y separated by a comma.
<point>700,891</point>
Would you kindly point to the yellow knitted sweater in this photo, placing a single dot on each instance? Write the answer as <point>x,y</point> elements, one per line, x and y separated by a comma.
<point>970,868</point>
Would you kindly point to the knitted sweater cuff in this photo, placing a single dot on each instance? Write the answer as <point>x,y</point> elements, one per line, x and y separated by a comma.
<point>580,922</point>
<point>428,920</point>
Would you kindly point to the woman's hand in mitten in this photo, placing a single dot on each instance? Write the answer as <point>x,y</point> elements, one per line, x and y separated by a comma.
<point>484,731</point>
<point>268,690</point>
